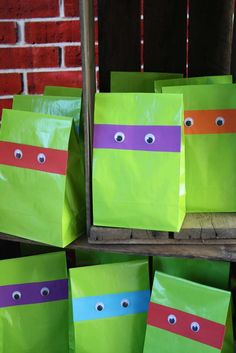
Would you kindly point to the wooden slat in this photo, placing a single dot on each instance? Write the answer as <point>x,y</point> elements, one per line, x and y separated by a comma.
<point>119,38</point>
<point>210,37</point>
<point>165,35</point>
<point>89,87</point>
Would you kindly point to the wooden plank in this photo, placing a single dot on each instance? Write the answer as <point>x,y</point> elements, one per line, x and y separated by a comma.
<point>89,87</point>
<point>165,23</point>
<point>119,38</point>
<point>210,37</point>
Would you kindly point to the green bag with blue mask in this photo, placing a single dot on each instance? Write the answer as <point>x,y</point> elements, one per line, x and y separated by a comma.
<point>110,304</point>
<point>34,307</point>
<point>138,81</point>
<point>204,80</point>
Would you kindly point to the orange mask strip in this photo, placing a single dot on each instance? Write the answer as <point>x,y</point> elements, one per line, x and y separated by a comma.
<point>210,121</point>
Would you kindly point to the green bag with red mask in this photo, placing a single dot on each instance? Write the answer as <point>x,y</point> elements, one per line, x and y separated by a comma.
<point>185,317</point>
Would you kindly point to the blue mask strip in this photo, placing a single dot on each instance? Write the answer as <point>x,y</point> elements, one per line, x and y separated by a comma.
<point>110,305</point>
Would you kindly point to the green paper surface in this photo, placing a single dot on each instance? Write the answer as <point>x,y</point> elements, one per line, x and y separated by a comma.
<point>210,158</point>
<point>41,206</point>
<point>120,334</point>
<point>42,327</point>
<point>208,272</point>
<point>146,189</point>
<point>192,81</point>
<point>137,81</point>
<point>209,303</point>
<point>62,91</point>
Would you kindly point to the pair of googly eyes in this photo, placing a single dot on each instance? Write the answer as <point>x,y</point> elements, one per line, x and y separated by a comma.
<point>41,158</point>
<point>195,327</point>
<point>188,122</point>
<point>17,295</point>
<point>124,304</point>
<point>120,137</point>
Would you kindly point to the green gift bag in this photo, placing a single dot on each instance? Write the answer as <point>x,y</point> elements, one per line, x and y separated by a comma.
<point>185,317</point>
<point>204,80</point>
<point>208,272</point>
<point>138,161</point>
<point>110,305</point>
<point>42,195</point>
<point>34,305</point>
<point>63,91</point>
<point>137,81</point>
<point>210,127</point>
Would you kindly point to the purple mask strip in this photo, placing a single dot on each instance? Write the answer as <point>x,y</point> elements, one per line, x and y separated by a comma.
<point>33,293</point>
<point>166,138</point>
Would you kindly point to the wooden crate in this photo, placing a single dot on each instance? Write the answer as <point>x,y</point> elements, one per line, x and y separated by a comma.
<point>209,51</point>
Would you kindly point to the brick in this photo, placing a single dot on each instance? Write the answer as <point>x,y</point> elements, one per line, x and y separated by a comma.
<point>23,58</point>
<point>52,32</point>
<point>73,56</point>
<point>8,32</point>
<point>37,80</point>
<point>28,8</point>
<point>5,104</point>
<point>10,84</point>
<point>71,8</point>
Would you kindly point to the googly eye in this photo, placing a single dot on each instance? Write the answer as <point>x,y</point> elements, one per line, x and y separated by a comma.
<point>16,295</point>
<point>41,158</point>
<point>44,291</point>
<point>119,137</point>
<point>18,154</point>
<point>172,319</point>
<point>195,327</point>
<point>188,122</point>
<point>150,138</point>
<point>124,303</point>
<point>99,306</point>
<point>220,121</point>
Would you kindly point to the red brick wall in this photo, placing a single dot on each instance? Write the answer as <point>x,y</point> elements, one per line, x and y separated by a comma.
<point>39,45</point>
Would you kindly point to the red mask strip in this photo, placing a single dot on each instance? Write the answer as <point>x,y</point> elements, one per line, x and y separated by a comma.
<point>47,160</point>
<point>187,325</point>
<point>210,121</point>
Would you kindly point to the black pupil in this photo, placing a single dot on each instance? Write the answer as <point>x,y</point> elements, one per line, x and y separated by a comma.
<point>41,159</point>
<point>195,328</point>
<point>99,307</point>
<point>125,304</point>
<point>219,122</point>
<point>16,296</point>
<point>188,123</point>
<point>149,140</point>
<point>18,155</point>
<point>119,138</point>
<point>45,292</point>
<point>172,320</point>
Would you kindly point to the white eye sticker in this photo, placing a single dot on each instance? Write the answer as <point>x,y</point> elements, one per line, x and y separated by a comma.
<point>188,122</point>
<point>124,303</point>
<point>150,139</point>
<point>41,158</point>
<point>220,121</point>
<point>119,137</point>
<point>195,327</point>
<point>18,154</point>
<point>16,295</point>
<point>172,319</point>
<point>99,306</point>
<point>44,291</point>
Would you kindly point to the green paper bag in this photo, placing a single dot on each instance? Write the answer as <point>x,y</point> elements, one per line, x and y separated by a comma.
<point>210,127</point>
<point>138,161</point>
<point>34,304</point>
<point>137,81</point>
<point>41,188</point>
<point>208,272</point>
<point>63,91</point>
<point>110,304</point>
<point>186,317</point>
<point>53,105</point>
<point>204,80</point>
<point>90,257</point>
